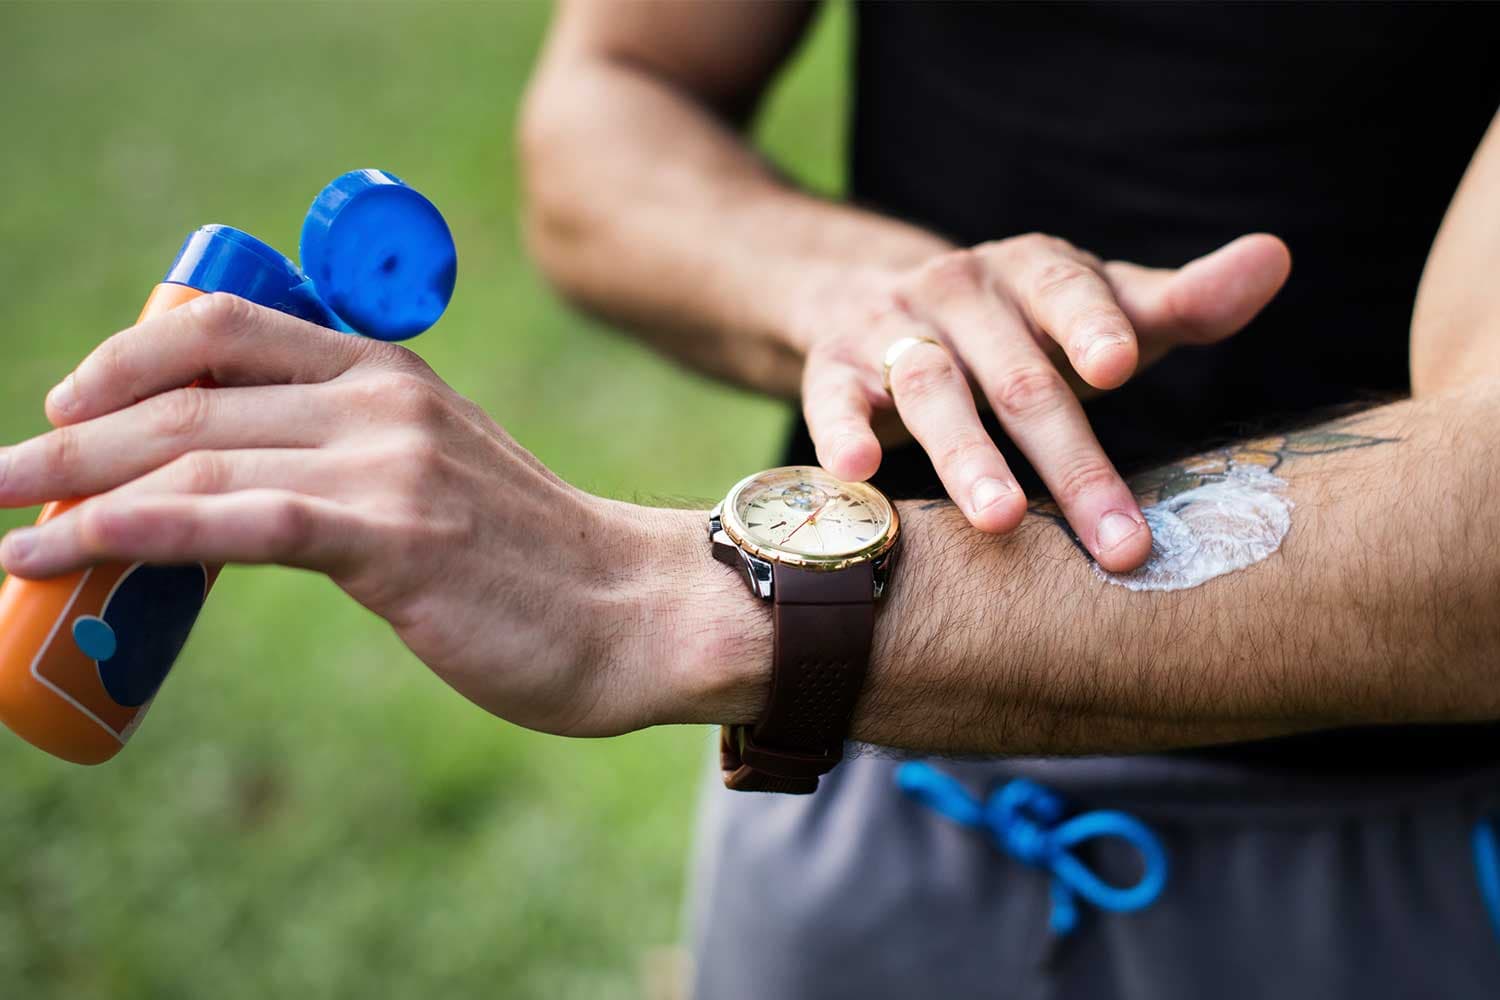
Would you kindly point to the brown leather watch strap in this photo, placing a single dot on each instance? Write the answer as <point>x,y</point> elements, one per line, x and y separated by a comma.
<point>824,622</point>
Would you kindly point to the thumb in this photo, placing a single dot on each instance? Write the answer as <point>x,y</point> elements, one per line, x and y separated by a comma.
<point>1207,299</point>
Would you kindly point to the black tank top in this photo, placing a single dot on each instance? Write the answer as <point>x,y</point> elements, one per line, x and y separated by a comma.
<point>1156,133</point>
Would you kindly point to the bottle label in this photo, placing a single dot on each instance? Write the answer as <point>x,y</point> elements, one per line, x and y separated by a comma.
<point>117,638</point>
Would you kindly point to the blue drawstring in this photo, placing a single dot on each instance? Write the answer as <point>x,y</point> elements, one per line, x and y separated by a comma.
<point>1021,817</point>
<point>1024,819</point>
<point>1487,865</point>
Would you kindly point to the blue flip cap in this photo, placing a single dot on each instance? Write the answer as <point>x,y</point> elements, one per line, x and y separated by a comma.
<point>378,258</point>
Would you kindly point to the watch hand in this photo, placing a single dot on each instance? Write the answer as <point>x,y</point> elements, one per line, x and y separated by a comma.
<point>804,524</point>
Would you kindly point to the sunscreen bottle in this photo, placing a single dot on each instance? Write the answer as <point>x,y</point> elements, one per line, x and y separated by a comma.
<point>82,655</point>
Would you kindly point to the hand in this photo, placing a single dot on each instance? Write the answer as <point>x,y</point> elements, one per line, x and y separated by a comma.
<point>350,457</point>
<point>1033,323</point>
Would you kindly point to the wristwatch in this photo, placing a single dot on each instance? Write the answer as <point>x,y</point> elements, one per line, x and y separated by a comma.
<point>821,551</point>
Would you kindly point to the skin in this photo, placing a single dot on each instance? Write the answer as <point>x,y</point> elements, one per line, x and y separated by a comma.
<point>723,264</point>
<point>578,615</point>
<point>575,614</point>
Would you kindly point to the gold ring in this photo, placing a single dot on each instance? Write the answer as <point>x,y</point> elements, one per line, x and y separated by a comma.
<point>900,347</point>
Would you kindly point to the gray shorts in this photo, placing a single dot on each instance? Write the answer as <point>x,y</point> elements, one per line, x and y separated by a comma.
<point>1279,886</point>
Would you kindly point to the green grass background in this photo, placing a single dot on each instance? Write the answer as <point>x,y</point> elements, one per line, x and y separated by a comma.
<point>307,812</point>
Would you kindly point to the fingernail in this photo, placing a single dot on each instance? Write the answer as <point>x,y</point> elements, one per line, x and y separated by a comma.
<point>1116,528</point>
<point>988,492</point>
<point>63,396</point>
<point>1101,344</point>
<point>4,463</point>
<point>19,544</point>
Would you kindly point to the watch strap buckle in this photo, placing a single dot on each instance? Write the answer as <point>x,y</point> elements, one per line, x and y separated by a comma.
<point>750,767</point>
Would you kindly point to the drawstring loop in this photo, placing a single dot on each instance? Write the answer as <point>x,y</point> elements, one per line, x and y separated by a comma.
<point>1022,818</point>
<point>1025,820</point>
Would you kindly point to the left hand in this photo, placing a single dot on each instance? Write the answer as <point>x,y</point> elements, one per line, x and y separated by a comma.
<point>1028,327</point>
<point>348,456</point>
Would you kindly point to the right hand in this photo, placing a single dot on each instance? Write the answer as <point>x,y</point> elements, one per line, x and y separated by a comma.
<point>350,457</point>
<point>1032,323</point>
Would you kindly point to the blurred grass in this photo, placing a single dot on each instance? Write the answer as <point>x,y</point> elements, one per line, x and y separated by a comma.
<point>308,812</point>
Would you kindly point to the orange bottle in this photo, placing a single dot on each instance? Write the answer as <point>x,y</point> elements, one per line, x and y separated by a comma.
<point>83,655</point>
<point>53,692</point>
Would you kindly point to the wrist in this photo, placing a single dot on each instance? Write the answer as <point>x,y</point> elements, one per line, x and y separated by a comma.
<point>701,643</point>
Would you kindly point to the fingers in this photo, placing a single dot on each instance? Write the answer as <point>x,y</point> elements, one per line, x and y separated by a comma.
<point>220,337</point>
<point>1208,299</point>
<point>1044,418</point>
<point>1063,295</point>
<point>100,454</point>
<point>933,397</point>
<point>254,526</point>
<point>301,470</point>
<point>836,404</point>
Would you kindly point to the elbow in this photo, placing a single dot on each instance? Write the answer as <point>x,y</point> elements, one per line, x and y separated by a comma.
<point>556,214</point>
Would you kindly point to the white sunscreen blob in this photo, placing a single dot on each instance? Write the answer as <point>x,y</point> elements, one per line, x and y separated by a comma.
<point>1232,521</point>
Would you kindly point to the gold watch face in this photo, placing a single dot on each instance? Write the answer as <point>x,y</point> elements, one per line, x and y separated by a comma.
<point>802,515</point>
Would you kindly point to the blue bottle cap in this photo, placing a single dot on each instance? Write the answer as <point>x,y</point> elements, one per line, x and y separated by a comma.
<point>377,259</point>
<point>225,259</point>
<point>379,254</point>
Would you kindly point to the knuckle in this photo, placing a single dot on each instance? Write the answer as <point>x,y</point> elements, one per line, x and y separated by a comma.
<point>1084,476</point>
<point>1029,391</point>
<point>425,458</point>
<point>221,313</point>
<point>829,364</point>
<point>1024,244</point>
<point>109,363</point>
<point>951,274</point>
<point>289,525</point>
<point>97,531</point>
<point>360,394</point>
<point>888,306</point>
<point>921,375</point>
<point>1057,276</point>
<point>180,413</point>
<point>410,396</point>
<point>413,468</point>
<point>60,454</point>
<point>957,450</point>
<point>200,472</point>
<point>827,350</point>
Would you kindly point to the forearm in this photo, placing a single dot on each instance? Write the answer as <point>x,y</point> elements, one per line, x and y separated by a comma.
<point>1458,302</point>
<point>646,206</point>
<point>1378,607</point>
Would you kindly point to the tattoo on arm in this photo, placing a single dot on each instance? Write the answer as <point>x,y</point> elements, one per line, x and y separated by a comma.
<point>1267,454</point>
<point>1219,511</point>
<point>1001,670</point>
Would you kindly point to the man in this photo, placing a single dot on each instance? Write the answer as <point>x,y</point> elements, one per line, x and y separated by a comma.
<point>1367,600</point>
<point>1144,134</point>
